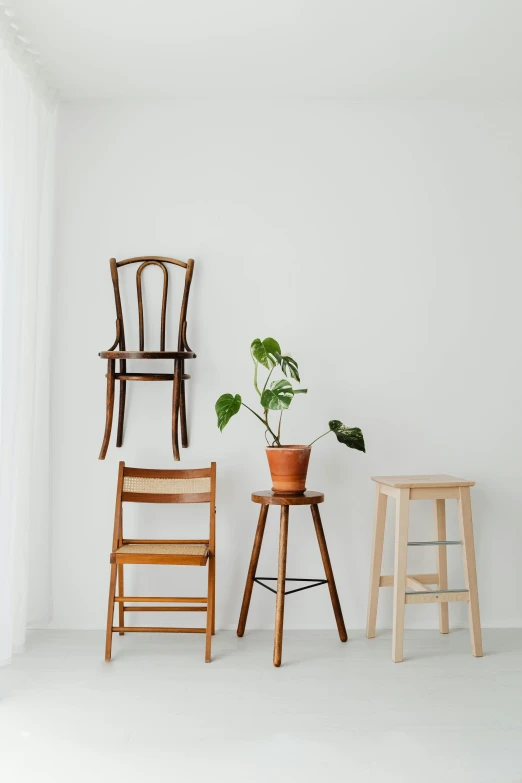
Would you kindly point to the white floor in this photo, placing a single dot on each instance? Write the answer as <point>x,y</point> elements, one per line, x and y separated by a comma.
<point>332,712</point>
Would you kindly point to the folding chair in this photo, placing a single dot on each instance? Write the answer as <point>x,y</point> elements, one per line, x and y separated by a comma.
<point>139,485</point>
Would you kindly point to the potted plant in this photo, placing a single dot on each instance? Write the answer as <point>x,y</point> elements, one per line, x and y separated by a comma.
<point>288,463</point>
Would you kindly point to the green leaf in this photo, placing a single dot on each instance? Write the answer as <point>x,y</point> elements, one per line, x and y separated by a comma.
<point>289,366</point>
<point>266,352</point>
<point>226,407</point>
<point>350,436</point>
<point>279,396</point>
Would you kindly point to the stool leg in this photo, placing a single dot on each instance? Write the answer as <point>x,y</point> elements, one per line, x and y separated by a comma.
<point>281,577</point>
<point>470,569</point>
<point>329,573</point>
<point>375,571</point>
<point>254,559</point>
<point>399,578</point>
<point>439,507</point>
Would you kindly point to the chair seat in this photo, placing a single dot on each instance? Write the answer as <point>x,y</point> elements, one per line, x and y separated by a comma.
<point>168,554</point>
<point>147,355</point>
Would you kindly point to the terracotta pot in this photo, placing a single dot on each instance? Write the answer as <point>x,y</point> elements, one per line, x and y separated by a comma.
<point>288,466</point>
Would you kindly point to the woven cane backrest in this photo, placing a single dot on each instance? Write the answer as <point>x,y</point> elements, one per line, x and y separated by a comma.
<point>168,486</point>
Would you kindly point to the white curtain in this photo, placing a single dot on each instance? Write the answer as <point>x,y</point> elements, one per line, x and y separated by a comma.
<point>26,145</point>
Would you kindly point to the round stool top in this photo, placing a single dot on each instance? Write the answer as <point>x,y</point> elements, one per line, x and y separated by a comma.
<point>269,498</point>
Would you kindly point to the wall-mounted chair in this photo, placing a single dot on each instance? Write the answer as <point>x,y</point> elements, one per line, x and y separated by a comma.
<point>118,351</point>
<point>139,485</point>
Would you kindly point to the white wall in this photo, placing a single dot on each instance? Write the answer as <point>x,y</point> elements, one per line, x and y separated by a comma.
<point>380,244</point>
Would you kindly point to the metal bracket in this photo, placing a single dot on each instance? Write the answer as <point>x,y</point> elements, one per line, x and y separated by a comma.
<point>316,583</point>
<point>433,543</point>
<point>436,592</point>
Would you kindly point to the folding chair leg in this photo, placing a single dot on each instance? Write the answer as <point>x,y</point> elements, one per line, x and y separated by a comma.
<point>121,612</point>
<point>212,591</point>
<point>210,601</point>
<point>110,613</point>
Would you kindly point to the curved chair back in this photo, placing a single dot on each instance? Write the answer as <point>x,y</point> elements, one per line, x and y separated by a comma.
<point>143,262</point>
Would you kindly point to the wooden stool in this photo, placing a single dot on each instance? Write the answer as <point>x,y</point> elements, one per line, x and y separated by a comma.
<point>268,498</point>
<point>438,489</point>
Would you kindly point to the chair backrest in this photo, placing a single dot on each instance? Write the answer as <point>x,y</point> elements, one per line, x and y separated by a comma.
<point>142,485</point>
<point>143,262</point>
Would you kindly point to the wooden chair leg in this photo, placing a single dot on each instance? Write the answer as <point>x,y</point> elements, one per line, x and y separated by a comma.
<point>108,408</point>
<point>252,568</point>
<point>210,603</point>
<point>376,565</point>
<point>121,611</point>
<point>439,507</point>
<point>121,412</point>
<point>176,396</point>
<point>470,569</point>
<point>281,582</point>
<point>110,613</point>
<point>399,579</point>
<point>183,417</point>
<point>212,591</point>
<point>329,573</point>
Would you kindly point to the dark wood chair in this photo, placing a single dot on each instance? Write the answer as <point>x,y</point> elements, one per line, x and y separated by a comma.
<point>137,485</point>
<point>118,351</point>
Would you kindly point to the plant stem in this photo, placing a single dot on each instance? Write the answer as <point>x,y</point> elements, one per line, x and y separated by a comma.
<point>255,379</point>
<point>269,374</point>
<point>264,423</point>
<point>319,438</point>
<point>279,426</point>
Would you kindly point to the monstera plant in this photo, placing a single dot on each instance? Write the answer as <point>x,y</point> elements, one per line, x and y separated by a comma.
<point>288,464</point>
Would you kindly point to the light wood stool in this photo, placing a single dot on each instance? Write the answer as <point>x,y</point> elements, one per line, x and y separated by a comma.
<point>438,489</point>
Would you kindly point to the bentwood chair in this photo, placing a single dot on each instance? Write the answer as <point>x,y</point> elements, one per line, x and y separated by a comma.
<point>178,376</point>
<point>138,485</point>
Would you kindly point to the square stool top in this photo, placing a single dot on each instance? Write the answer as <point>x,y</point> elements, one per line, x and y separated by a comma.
<point>410,482</point>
